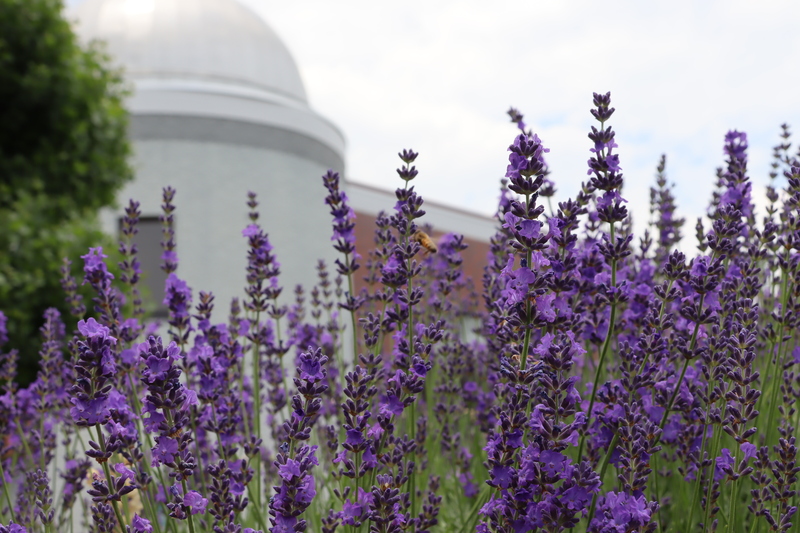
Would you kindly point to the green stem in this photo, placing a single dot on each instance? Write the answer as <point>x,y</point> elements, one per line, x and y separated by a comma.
<point>198,454</point>
<point>775,368</point>
<point>378,449</point>
<point>245,417</point>
<point>480,501</point>
<point>606,344</point>
<point>796,422</point>
<point>603,467</point>
<point>352,313</point>
<point>145,497</point>
<point>107,471</point>
<point>125,511</point>
<point>523,357</point>
<point>189,518</point>
<point>41,443</point>
<point>660,314</point>
<point>358,471</point>
<point>753,525</point>
<point>24,441</point>
<point>379,345</point>
<point>767,379</point>
<point>412,478</point>
<point>696,491</point>
<point>412,430</point>
<point>5,491</point>
<point>257,400</point>
<point>259,517</point>
<point>674,394</point>
<point>656,492</point>
<point>714,451</point>
<point>597,374</point>
<point>732,510</point>
<point>685,366</point>
<point>776,379</point>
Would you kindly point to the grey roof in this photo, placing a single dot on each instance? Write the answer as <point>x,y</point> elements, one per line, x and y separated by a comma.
<point>215,42</point>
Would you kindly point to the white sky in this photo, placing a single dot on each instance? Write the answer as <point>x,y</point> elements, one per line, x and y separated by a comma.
<point>438,77</point>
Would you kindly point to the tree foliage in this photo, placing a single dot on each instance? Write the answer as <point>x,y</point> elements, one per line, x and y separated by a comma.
<point>63,156</point>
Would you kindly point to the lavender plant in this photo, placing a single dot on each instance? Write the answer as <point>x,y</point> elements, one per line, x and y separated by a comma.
<point>595,384</point>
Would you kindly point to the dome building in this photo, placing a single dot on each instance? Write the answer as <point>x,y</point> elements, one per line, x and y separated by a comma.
<point>218,108</point>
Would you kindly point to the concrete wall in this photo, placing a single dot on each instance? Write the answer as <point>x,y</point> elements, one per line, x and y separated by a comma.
<point>212,180</point>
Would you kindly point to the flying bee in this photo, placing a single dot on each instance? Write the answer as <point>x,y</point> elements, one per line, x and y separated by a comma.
<point>425,241</point>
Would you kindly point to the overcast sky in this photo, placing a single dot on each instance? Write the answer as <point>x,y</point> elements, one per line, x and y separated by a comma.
<point>438,77</point>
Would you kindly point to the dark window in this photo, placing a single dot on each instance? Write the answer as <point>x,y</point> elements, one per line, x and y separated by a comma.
<point>151,284</point>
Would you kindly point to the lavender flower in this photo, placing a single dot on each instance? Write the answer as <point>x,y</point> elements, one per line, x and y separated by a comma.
<point>12,528</point>
<point>140,525</point>
<point>612,387</point>
<point>167,405</point>
<point>94,371</point>
<point>296,459</point>
<point>107,299</point>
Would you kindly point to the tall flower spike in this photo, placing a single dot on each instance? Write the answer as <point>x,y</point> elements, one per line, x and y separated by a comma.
<point>167,404</point>
<point>169,258</point>
<point>130,266</point>
<point>13,528</point>
<point>343,222</point>
<point>296,459</point>
<point>524,285</point>
<point>73,299</point>
<point>3,328</point>
<point>407,172</point>
<point>107,299</point>
<point>662,208</point>
<point>94,371</point>
<point>263,267</point>
<point>548,188</point>
<point>604,166</point>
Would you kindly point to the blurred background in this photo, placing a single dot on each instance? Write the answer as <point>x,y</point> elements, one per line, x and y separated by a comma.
<point>439,77</point>
<point>221,97</point>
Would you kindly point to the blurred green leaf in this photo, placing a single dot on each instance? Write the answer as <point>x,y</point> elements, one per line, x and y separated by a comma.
<point>63,156</point>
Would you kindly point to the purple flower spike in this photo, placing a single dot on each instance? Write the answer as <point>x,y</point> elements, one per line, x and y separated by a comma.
<point>622,512</point>
<point>289,470</point>
<point>343,234</point>
<point>196,502</point>
<point>296,458</point>
<point>141,525</point>
<point>94,266</point>
<point>167,404</point>
<point>12,528</point>
<point>310,366</point>
<point>3,328</point>
<point>95,368</point>
<point>748,451</point>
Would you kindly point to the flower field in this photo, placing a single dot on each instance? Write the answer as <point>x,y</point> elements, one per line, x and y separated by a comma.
<point>591,381</point>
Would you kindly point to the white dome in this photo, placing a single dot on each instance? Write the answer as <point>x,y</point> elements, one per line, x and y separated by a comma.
<point>219,44</point>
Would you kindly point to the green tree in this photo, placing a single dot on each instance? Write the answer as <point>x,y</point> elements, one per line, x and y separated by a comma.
<point>63,156</point>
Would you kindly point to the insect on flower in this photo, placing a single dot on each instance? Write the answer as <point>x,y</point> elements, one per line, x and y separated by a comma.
<point>425,241</point>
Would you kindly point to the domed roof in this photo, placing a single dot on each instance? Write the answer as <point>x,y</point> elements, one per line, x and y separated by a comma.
<point>208,42</point>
